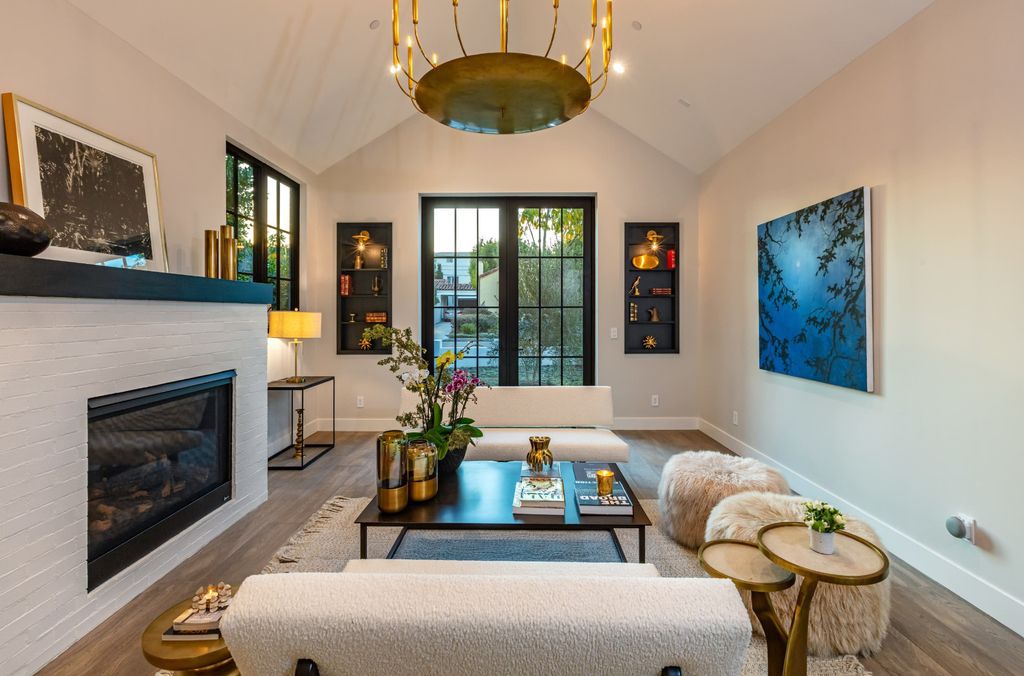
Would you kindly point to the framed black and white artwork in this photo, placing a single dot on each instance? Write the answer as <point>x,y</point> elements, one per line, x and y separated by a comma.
<point>99,195</point>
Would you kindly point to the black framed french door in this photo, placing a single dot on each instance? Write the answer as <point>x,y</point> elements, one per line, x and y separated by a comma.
<point>508,281</point>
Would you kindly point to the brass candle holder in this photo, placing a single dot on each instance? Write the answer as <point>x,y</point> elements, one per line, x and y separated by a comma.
<point>212,250</point>
<point>422,463</point>
<point>605,482</point>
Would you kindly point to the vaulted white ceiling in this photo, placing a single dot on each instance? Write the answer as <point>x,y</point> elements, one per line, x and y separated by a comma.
<point>311,75</point>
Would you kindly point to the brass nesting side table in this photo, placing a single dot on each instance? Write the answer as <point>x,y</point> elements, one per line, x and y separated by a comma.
<point>782,552</point>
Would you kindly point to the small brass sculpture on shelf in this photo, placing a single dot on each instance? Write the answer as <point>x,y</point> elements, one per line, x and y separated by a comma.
<point>377,286</point>
<point>654,315</point>
<point>634,312</point>
<point>650,342</point>
<point>364,343</point>
<point>635,289</point>
<point>540,454</point>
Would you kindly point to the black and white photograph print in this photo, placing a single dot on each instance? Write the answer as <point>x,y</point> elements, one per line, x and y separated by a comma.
<point>98,194</point>
<point>93,201</point>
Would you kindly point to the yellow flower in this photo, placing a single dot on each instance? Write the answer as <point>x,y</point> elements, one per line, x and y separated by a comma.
<point>445,359</point>
<point>462,355</point>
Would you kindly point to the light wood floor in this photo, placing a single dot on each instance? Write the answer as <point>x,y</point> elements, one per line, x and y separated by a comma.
<point>933,631</point>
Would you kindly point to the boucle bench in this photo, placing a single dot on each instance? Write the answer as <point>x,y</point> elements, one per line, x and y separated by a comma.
<point>462,618</point>
<point>576,418</point>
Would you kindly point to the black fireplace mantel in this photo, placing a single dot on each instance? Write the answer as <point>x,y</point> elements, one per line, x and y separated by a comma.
<point>21,276</point>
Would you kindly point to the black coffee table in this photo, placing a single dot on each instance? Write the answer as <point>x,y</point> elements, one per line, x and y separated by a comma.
<point>479,497</point>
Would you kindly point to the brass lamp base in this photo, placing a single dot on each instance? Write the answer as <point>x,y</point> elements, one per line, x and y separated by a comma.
<point>502,93</point>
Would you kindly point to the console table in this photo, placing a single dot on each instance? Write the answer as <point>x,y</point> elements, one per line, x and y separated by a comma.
<point>308,453</point>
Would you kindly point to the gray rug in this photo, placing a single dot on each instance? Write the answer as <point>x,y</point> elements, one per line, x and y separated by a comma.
<point>330,538</point>
<point>493,545</point>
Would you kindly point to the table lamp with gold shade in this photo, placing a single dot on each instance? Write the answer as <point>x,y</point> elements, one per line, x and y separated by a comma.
<point>294,326</point>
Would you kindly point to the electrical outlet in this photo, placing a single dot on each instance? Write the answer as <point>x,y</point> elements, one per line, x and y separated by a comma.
<point>360,401</point>
<point>614,333</point>
<point>735,418</point>
<point>655,400</point>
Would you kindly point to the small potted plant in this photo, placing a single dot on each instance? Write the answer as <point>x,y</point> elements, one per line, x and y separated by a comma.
<point>444,395</point>
<point>823,520</point>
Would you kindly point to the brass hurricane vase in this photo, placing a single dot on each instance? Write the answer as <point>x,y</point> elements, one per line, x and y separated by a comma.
<point>540,454</point>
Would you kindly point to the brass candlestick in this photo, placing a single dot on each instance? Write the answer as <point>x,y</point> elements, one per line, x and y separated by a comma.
<point>300,442</point>
<point>228,253</point>
<point>212,253</point>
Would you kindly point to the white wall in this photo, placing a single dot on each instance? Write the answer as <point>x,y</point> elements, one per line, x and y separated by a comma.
<point>931,120</point>
<point>632,181</point>
<point>88,73</point>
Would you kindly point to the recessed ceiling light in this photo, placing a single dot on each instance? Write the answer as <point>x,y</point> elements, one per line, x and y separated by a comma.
<point>637,26</point>
<point>375,24</point>
<point>684,103</point>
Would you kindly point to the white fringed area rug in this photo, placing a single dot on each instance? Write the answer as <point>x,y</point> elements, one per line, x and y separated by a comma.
<point>330,538</point>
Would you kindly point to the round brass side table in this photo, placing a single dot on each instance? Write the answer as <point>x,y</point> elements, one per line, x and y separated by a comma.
<point>209,658</point>
<point>855,562</point>
<point>749,569</point>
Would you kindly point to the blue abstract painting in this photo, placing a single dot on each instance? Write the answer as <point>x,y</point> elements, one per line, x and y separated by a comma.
<point>814,292</point>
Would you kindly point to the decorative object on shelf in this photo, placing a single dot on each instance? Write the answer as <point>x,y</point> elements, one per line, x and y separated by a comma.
<point>361,238</point>
<point>818,326</point>
<point>422,459</point>
<point>345,285</point>
<point>540,454</point>
<point>502,92</point>
<point>23,232</point>
<point>823,520</point>
<point>605,481</point>
<point>383,258</point>
<point>376,318</point>
<point>653,315</point>
<point>654,241</point>
<point>444,395</point>
<point>661,291</point>
<point>634,312</point>
<point>294,326</point>
<point>352,317</point>
<point>364,343</point>
<point>392,472</point>
<point>635,289</point>
<point>99,195</point>
<point>646,261</point>
<point>300,435</point>
<point>670,259</point>
<point>211,257</point>
<point>650,342</point>
<point>228,253</point>
<point>377,286</point>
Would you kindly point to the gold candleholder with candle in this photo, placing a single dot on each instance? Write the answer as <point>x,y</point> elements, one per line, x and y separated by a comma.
<point>228,253</point>
<point>212,258</point>
<point>422,459</point>
<point>605,482</point>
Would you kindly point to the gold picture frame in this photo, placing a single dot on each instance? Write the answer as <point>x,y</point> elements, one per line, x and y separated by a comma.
<point>98,230</point>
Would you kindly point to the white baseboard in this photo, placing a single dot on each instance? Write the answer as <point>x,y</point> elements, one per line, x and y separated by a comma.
<point>676,423</point>
<point>989,598</point>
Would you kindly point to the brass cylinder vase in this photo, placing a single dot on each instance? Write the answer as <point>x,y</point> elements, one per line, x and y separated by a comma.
<point>422,467</point>
<point>212,258</point>
<point>228,253</point>
<point>392,472</point>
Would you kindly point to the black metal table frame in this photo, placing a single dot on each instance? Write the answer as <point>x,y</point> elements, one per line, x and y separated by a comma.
<point>291,424</point>
<point>641,534</point>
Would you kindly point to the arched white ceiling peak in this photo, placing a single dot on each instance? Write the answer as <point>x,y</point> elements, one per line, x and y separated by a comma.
<point>312,76</point>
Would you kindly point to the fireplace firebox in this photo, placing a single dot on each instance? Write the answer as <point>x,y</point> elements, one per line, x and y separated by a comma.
<point>159,460</point>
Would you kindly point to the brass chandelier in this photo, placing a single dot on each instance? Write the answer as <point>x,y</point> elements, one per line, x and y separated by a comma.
<point>501,92</point>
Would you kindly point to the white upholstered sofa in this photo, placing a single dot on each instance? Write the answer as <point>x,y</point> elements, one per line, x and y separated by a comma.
<point>576,418</point>
<point>463,618</point>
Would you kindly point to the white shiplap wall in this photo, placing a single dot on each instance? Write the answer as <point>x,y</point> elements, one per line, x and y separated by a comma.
<point>55,354</point>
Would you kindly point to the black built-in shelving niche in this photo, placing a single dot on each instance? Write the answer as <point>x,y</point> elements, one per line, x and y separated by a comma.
<point>666,331</point>
<point>362,300</point>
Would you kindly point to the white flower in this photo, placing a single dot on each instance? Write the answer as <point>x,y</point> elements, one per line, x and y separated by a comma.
<point>840,518</point>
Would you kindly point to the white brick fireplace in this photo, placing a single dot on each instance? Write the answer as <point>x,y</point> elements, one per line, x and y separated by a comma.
<point>56,354</point>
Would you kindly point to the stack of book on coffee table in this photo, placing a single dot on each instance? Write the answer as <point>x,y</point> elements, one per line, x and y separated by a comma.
<point>587,499</point>
<point>539,496</point>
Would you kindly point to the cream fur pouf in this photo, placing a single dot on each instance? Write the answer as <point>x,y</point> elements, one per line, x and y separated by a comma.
<point>844,620</point>
<point>692,483</point>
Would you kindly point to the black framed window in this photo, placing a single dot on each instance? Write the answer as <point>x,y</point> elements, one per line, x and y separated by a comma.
<point>508,281</point>
<point>263,208</point>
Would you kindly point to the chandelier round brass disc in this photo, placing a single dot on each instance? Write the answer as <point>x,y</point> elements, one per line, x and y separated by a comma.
<point>502,93</point>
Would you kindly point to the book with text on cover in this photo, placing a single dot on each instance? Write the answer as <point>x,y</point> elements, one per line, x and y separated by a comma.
<point>587,499</point>
<point>543,496</point>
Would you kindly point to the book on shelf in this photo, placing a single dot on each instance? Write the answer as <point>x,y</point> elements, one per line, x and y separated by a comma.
<point>174,635</point>
<point>587,499</point>
<point>539,496</point>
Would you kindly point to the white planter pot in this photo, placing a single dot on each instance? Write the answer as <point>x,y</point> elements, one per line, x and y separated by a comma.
<point>823,543</point>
